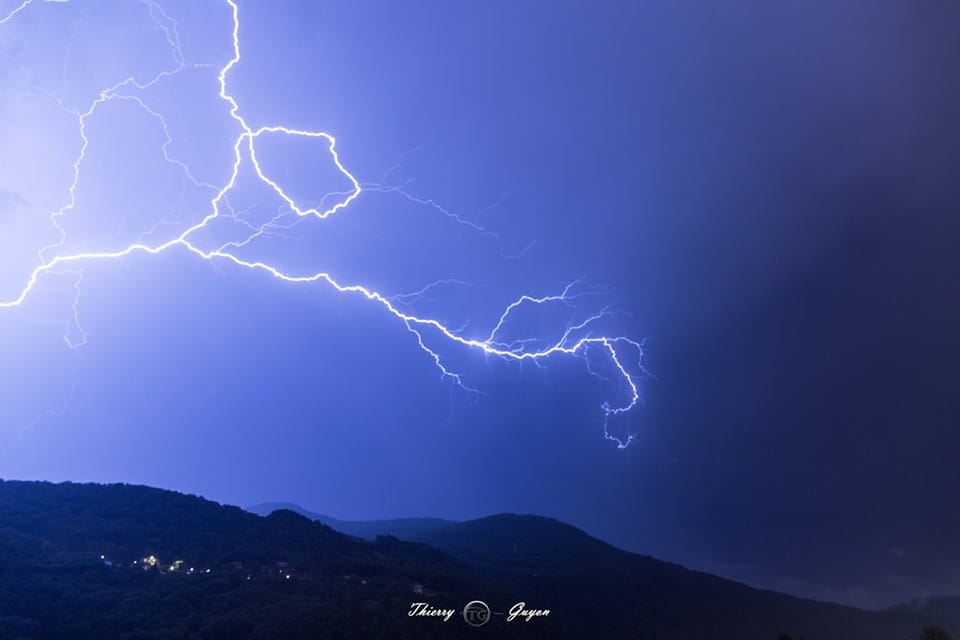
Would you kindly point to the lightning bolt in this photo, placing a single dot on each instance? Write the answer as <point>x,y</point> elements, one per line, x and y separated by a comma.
<point>23,5</point>
<point>578,339</point>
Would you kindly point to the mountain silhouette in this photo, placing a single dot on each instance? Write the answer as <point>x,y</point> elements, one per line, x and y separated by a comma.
<point>606,587</point>
<point>403,528</point>
<point>133,562</point>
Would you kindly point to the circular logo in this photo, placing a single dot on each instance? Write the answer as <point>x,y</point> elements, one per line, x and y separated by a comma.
<point>476,613</point>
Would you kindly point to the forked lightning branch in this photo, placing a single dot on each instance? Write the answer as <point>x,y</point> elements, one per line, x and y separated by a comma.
<point>622,357</point>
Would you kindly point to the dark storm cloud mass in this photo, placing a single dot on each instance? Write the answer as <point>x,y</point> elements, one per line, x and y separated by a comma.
<point>815,416</point>
<point>770,189</point>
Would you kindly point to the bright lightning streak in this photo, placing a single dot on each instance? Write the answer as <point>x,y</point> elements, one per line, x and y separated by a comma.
<point>576,340</point>
<point>23,5</point>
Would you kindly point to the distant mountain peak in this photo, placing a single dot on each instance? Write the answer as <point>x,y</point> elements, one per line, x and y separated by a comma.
<point>87,560</point>
<point>402,528</point>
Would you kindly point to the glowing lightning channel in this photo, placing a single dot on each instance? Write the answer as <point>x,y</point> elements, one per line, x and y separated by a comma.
<point>23,5</point>
<point>577,339</point>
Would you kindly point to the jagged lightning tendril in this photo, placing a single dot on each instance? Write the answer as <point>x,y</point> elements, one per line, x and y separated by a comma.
<point>576,340</point>
<point>23,5</point>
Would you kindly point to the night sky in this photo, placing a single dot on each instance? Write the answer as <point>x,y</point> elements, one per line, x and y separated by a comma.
<point>766,193</point>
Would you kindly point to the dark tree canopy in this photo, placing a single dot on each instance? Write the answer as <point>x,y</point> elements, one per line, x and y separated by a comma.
<point>934,633</point>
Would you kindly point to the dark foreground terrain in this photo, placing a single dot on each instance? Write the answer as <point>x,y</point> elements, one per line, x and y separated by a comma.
<point>120,561</point>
